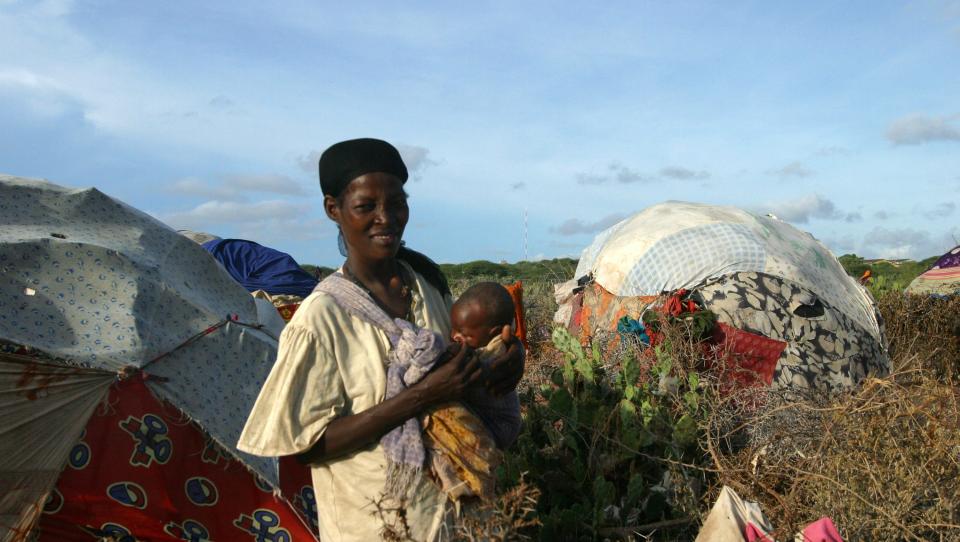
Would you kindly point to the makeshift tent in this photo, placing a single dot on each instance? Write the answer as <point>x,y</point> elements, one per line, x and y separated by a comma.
<point>129,363</point>
<point>764,279</point>
<point>257,267</point>
<point>198,237</point>
<point>943,277</point>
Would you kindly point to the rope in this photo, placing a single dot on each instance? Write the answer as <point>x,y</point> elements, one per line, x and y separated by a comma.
<point>128,372</point>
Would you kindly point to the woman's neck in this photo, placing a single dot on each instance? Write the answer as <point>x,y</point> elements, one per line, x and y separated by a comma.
<point>378,272</point>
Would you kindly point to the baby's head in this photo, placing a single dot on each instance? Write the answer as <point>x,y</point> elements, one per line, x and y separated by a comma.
<point>480,314</point>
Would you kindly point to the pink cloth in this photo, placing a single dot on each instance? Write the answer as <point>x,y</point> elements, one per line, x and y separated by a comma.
<point>822,530</point>
<point>755,534</point>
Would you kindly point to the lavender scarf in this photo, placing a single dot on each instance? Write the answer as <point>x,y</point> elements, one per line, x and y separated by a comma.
<point>414,352</point>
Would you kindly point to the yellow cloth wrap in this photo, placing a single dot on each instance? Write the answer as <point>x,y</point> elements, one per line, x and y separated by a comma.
<point>463,454</point>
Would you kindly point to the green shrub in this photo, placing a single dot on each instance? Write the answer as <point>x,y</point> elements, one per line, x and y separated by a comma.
<point>609,442</point>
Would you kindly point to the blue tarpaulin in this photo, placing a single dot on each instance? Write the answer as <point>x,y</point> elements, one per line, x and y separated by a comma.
<point>257,267</point>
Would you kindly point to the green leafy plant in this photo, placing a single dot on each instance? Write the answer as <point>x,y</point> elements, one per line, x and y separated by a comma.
<point>606,440</point>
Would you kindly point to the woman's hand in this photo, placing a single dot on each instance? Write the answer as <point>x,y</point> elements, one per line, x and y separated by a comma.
<point>452,378</point>
<point>506,370</point>
<point>447,382</point>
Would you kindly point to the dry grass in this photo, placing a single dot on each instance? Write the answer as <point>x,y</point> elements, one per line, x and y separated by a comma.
<point>508,518</point>
<point>883,461</point>
<point>924,333</point>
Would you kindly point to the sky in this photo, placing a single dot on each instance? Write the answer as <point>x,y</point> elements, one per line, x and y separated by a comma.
<point>528,127</point>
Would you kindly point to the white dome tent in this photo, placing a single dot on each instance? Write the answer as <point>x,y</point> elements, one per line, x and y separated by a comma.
<point>757,274</point>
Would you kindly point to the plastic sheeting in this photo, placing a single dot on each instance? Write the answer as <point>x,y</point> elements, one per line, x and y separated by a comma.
<point>676,245</point>
<point>731,518</point>
<point>44,410</point>
<point>257,267</point>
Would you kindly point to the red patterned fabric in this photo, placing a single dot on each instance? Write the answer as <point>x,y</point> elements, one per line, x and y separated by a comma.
<point>143,472</point>
<point>287,311</point>
<point>675,305</point>
<point>751,359</point>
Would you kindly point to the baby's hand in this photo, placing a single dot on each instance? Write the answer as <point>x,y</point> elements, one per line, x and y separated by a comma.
<point>448,354</point>
<point>506,370</point>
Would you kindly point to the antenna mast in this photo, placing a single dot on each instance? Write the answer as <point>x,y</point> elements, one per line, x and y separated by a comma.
<point>526,247</point>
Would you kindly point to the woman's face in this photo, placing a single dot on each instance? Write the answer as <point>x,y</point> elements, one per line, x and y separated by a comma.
<point>372,213</point>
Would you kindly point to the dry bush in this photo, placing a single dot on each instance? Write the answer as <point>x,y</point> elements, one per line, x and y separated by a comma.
<point>505,519</point>
<point>924,333</point>
<point>883,460</point>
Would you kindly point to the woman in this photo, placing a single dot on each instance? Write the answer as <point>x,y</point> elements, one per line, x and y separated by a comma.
<point>328,399</point>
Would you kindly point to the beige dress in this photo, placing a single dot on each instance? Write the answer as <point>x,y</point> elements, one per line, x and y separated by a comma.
<point>329,365</point>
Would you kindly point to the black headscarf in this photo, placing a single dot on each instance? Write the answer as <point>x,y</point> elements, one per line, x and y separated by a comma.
<point>345,161</point>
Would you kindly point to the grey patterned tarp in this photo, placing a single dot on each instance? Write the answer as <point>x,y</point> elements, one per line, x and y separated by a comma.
<point>825,349</point>
<point>95,283</point>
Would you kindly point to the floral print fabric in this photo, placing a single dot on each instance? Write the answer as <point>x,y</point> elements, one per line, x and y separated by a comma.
<point>825,348</point>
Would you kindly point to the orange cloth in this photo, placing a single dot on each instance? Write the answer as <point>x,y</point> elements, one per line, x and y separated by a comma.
<point>516,294</point>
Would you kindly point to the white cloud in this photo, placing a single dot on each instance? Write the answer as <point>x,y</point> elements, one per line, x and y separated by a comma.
<point>213,213</point>
<point>574,226</point>
<point>116,95</point>
<point>831,151</point>
<point>42,95</point>
<point>623,174</point>
<point>883,215</point>
<point>853,217</point>
<point>192,186</point>
<point>918,129</point>
<point>941,210</point>
<point>626,175</point>
<point>273,183</point>
<point>591,178</point>
<point>683,174</point>
<point>416,158</point>
<point>309,162</point>
<point>904,243</point>
<point>841,245</point>
<point>220,101</point>
<point>793,169</point>
<point>237,187</point>
<point>801,210</point>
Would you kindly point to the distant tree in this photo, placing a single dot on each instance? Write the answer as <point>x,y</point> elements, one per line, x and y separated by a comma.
<point>854,265</point>
<point>554,270</point>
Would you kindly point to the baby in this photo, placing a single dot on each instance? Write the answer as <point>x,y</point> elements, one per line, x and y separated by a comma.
<point>464,453</point>
<point>478,320</point>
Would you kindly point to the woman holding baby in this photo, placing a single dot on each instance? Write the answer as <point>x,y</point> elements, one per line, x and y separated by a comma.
<point>364,360</point>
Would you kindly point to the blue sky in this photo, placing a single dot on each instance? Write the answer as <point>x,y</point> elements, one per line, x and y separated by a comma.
<point>840,117</point>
